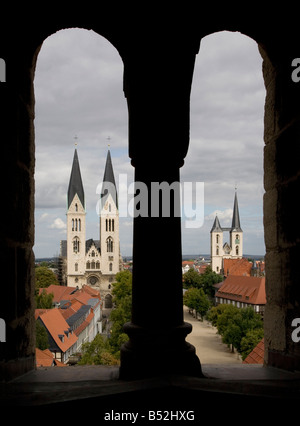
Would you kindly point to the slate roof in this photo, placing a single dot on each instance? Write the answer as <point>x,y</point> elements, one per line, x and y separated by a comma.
<point>109,184</point>
<point>236,226</point>
<point>75,183</point>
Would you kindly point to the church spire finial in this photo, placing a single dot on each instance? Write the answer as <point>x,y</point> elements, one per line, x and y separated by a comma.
<point>236,226</point>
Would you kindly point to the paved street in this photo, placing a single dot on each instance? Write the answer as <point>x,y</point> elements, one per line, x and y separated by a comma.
<point>208,343</point>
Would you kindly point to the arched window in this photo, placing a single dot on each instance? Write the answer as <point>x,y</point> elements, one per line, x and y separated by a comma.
<point>97,264</point>
<point>76,207</point>
<point>79,224</point>
<point>72,224</point>
<point>217,238</point>
<point>109,225</point>
<point>113,225</point>
<point>110,267</point>
<point>217,250</point>
<point>93,253</point>
<point>76,245</point>
<point>76,229</point>
<point>237,250</point>
<point>109,245</point>
<point>106,224</point>
<point>76,267</point>
<point>93,264</point>
<point>88,265</point>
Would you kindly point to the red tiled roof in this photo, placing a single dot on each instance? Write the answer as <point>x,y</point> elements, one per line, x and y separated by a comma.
<point>57,326</point>
<point>45,358</point>
<point>257,355</point>
<point>244,289</point>
<point>237,267</point>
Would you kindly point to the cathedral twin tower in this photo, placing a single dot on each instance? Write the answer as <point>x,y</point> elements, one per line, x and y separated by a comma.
<point>92,262</point>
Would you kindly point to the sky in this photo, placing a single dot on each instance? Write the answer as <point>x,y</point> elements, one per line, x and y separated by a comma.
<point>79,100</point>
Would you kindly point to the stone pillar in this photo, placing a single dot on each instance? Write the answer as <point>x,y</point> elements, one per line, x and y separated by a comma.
<point>281,225</point>
<point>158,100</point>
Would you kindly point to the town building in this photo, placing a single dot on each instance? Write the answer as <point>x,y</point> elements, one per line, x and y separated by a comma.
<point>75,319</point>
<point>91,262</point>
<point>219,249</point>
<point>242,291</point>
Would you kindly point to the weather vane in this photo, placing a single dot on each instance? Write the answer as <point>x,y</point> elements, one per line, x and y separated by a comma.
<point>108,138</point>
<point>75,137</point>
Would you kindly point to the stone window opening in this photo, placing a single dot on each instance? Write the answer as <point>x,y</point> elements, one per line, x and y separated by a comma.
<point>280,128</point>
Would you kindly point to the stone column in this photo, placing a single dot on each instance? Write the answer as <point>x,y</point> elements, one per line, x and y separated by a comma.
<point>158,99</point>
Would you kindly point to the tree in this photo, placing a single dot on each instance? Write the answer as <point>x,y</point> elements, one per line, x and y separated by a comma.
<point>248,342</point>
<point>191,279</point>
<point>208,279</point>
<point>42,341</point>
<point>44,300</point>
<point>44,277</point>
<point>97,352</point>
<point>196,299</point>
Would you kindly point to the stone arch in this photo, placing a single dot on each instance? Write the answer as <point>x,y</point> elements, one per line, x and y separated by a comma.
<point>108,301</point>
<point>167,66</point>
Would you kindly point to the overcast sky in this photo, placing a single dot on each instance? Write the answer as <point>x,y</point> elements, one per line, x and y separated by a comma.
<point>78,90</point>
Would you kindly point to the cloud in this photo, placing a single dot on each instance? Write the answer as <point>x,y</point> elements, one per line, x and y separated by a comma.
<point>79,91</point>
<point>58,224</point>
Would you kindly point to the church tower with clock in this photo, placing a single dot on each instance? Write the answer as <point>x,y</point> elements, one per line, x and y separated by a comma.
<point>228,250</point>
<point>92,262</point>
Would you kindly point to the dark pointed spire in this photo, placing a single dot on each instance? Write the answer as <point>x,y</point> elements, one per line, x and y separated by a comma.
<point>236,226</point>
<point>216,226</point>
<point>75,184</point>
<point>109,184</point>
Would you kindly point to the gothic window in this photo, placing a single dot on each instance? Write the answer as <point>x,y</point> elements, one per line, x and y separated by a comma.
<point>97,264</point>
<point>113,225</point>
<point>109,245</point>
<point>76,267</point>
<point>76,225</point>
<point>72,224</point>
<point>93,265</point>
<point>110,267</point>
<point>76,207</point>
<point>88,265</point>
<point>217,238</point>
<point>106,224</point>
<point>237,239</point>
<point>79,224</point>
<point>76,245</point>
<point>217,250</point>
<point>93,253</point>
<point>237,250</point>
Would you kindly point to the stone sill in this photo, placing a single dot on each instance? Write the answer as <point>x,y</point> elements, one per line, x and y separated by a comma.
<point>88,385</point>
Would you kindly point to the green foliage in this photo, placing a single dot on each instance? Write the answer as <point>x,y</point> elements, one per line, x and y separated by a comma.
<point>205,281</point>
<point>97,352</point>
<point>42,341</point>
<point>240,327</point>
<point>191,279</point>
<point>44,277</point>
<point>44,300</point>
<point>248,342</point>
<point>196,299</point>
<point>107,350</point>
<point>208,279</point>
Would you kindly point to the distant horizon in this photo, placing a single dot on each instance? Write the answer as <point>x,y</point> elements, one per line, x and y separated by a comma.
<point>191,255</point>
